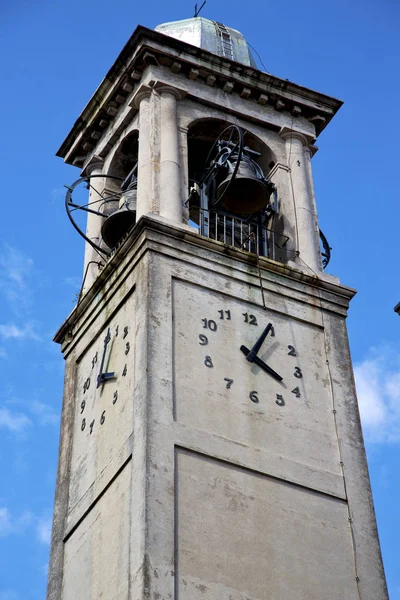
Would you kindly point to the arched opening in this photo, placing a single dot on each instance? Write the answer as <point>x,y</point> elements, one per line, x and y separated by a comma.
<point>204,132</point>
<point>121,191</point>
<point>231,199</point>
<point>125,156</point>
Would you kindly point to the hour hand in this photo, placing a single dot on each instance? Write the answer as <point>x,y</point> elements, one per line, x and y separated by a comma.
<point>102,377</point>
<point>260,363</point>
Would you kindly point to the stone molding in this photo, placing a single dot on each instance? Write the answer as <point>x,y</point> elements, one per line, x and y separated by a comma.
<point>288,134</point>
<point>95,163</point>
<point>331,296</point>
<point>276,168</point>
<point>178,57</point>
<point>143,92</point>
<point>169,89</point>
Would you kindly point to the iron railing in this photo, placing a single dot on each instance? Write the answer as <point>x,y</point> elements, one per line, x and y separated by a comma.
<point>243,234</point>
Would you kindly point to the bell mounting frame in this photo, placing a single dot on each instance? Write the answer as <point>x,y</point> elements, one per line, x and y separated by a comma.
<point>71,207</point>
<point>325,250</point>
<point>229,143</point>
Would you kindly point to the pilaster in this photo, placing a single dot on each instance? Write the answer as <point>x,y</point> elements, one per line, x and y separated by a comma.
<point>170,164</point>
<point>149,151</point>
<point>94,222</point>
<point>306,221</point>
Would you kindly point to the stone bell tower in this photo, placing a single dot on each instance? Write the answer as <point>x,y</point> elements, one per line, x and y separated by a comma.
<point>210,445</point>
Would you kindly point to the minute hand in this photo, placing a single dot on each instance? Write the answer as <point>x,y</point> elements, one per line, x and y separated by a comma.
<point>254,351</point>
<point>262,364</point>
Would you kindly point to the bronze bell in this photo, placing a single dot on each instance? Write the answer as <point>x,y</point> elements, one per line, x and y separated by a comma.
<point>249,191</point>
<point>120,221</point>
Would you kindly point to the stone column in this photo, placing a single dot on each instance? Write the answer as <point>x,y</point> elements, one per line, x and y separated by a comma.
<point>170,164</point>
<point>145,163</point>
<point>307,231</point>
<point>94,222</point>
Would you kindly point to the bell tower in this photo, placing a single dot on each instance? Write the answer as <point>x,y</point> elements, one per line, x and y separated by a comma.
<point>211,444</point>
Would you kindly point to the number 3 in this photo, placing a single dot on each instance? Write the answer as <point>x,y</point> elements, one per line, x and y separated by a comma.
<point>297,373</point>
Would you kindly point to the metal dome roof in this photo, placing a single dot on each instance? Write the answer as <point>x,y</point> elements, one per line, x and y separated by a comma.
<point>212,36</point>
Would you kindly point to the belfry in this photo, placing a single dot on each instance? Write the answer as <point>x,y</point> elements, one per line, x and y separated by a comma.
<point>211,445</point>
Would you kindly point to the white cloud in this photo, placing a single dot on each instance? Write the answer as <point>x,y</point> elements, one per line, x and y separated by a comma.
<point>5,521</point>
<point>43,530</point>
<point>45,413</point>
<point>11,331</point>
<point>56,195</point>
<point>378,391</point>
<point>13,421</point>
<point>73,282</point>
<point>26,521</point>
<point>15,273</point>
<point>8,595</point>
<point>14,525</point>
<point>44,570</point>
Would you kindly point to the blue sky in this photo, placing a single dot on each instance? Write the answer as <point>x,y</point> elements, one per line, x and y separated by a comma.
<point>53,54</point>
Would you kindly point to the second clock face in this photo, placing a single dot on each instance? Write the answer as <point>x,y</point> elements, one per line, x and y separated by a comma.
<point>103,400</point>
<point>252,375</point>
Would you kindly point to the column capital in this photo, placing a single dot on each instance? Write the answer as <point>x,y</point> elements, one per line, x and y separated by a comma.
<point>144,91</point>
<point>96,163</point>
<point>290,134</point>
<point>168,89</point>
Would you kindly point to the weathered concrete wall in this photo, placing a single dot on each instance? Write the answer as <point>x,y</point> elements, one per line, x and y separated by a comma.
<point>208,477</point>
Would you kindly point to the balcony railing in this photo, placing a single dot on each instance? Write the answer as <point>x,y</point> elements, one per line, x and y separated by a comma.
<point>245,235</point>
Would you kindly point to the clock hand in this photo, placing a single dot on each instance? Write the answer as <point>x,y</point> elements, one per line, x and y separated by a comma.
<point>254,351</point>
<point>101,377</point>
<point>105,376</point>
<point>262,364</point>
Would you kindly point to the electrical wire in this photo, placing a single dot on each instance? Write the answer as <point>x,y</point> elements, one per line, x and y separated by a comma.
<point>91,262</point>
<point>259,57</point>
<point>333,400</point>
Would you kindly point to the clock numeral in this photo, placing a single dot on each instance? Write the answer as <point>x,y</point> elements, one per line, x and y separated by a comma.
<point>292,351</point>
<point>254,397</point>
<point>115,397</point>
<point>296,392</point>
<point>94,360</point>
<point>279,400</point>
<point>108,337</point>
<point>250,319</point>
<point>83,424</point>
<point>209,324</point>
<point>203,340</point>
<point>125,333</point>
<point>208,362</point>
<point>272,331</point>
<point>86,385</point>
<point>228,382</point>
<point>116,331</point>
<point>91,426</point>
<point>124,372</point>
<point>127,347</point>
<point>297,373</point>
<point>83,404</point>
<point>225,314</point>
<point>103,417</point>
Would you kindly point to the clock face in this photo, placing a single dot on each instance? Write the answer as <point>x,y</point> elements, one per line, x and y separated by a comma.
<point>103,401</point>
<point>252,375</point>
<point>100,374</point>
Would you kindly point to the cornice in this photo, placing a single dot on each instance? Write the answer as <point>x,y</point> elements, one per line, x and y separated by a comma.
<point>147,47</point>
<point>333,296</point>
